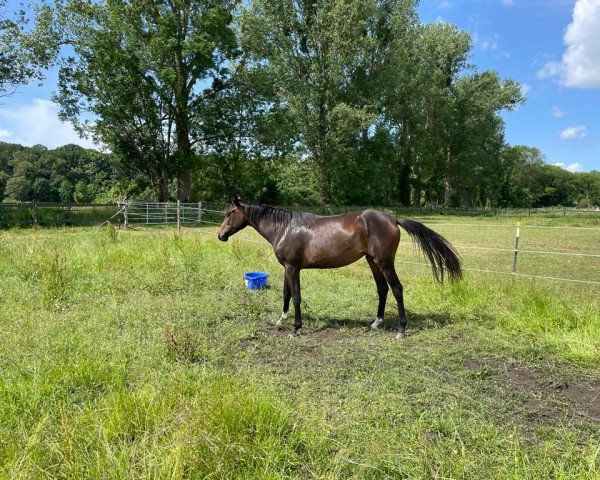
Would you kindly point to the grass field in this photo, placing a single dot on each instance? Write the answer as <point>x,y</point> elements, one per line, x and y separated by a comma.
<point>138,354</point>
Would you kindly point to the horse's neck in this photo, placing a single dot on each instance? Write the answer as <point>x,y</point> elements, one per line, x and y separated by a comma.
<point>269,229</point>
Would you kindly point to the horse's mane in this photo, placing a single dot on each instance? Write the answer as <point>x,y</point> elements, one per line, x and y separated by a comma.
<point>276,215</point>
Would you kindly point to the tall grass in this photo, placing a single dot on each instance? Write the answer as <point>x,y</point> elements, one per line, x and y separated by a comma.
<point>138,354</point>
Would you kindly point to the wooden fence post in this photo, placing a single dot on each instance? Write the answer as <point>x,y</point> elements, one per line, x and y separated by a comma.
<point>199,212</point>
<point>178,217</point>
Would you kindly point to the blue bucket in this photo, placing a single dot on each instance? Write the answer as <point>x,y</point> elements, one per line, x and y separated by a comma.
<point>256,280</point>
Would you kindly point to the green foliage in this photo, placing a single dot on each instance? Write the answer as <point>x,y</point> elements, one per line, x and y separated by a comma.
<point>322,102</point>
<point>66,174</point>
<point>139,69</point>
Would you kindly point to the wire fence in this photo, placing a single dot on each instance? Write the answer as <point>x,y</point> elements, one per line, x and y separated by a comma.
<point>581,258</point>
<point>50,214</point>
<point>513,258</point>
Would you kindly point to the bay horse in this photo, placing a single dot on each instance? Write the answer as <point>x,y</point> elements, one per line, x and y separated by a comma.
<point>304,240</point>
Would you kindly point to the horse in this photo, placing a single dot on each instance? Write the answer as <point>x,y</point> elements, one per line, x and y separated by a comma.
<point>305,240</point>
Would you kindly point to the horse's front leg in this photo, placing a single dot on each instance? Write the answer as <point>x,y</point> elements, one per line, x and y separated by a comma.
<point>292,275</point>
<point>287,295</point>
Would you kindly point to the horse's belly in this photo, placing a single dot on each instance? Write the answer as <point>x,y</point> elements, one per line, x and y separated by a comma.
<point>333,254</point>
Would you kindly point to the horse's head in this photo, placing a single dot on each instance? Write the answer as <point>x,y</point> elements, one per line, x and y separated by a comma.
<point>234,221</point>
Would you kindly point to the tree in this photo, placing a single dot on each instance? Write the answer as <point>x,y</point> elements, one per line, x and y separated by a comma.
<point>14,65</point>
<point>324,57</point>
<point>449,133</point>
<point>138,68</point>
<point>476,136</point>
<point>18,188</point>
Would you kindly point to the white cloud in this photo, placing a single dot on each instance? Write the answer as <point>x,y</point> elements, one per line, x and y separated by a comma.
<point>557,112</point>
<point>572,167</point>
<point>488,43</point>
<point>580,65</point>
<point>525,89</point>
<point>507,3</point>
<point>551,69</point>
<point>38,123</point>
<point>571,133</point>
<point>4,134</point>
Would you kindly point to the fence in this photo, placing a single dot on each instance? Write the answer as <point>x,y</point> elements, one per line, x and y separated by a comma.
<point>50,214</point>
<point>513,257</point>
<point>156,213</point>
<point>502,252</point>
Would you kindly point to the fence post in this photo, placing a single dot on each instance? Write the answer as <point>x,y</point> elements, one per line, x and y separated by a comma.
<point>199,212</point>
<point>178,217</point>
<point>147,215</point>
<point>516,247</point>
<point>125,215</point>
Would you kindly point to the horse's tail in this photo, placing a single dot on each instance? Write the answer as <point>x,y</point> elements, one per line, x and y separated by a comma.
<point>436,248</point>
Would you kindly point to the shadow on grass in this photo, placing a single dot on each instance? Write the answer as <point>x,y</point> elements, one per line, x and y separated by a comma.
<point>416,322</point>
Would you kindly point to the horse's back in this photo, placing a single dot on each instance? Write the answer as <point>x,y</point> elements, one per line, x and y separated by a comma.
<point>338,240</point>
<point>326,241</point>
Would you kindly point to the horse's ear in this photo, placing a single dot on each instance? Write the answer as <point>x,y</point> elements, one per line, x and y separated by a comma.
<point>236,200</point>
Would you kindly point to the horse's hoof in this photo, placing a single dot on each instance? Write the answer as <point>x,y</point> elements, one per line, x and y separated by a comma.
<point>400,336</point>
<point>292,335</point>
<point>376,324</point>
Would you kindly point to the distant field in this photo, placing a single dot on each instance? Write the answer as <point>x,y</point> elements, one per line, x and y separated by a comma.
<point>138,354</point>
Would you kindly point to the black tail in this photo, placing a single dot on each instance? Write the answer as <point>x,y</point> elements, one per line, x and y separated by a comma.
<point>437,249</point>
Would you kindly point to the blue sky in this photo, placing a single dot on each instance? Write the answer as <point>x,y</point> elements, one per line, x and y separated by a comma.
<point>552,47</point>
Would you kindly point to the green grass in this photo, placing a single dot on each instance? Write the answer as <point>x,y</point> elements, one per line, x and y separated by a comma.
<point>138,354</point>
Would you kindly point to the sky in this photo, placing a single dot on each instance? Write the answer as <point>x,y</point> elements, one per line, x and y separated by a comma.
<point>552,47</point>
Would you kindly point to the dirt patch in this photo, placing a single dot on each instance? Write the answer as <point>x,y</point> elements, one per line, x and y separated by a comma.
<point>586,397</point>
<point>544,399</point>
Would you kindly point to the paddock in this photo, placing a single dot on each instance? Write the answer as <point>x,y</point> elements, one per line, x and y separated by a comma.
<point>138,352</point>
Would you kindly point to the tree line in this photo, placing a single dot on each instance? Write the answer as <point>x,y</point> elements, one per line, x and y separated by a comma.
<point>289,102</point>
<point>73,174</point>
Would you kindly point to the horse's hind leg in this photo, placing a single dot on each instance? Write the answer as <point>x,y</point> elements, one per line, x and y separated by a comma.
<point>392,278</point>
<point>382,291</point>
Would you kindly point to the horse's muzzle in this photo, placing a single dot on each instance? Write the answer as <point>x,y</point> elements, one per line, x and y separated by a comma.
<point>222,238</point>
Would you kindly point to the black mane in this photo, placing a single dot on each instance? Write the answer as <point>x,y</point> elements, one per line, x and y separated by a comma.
<point>278,216</point>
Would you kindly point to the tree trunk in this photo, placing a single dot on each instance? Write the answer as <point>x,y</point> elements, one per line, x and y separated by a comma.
<point>404,184</point>
<point>182,127</point>
<point>184,155</point>
<point>416,184</point>
<point>321,155</point>
<point>416,196</point>
<point>447,179</point>
<point>447,189</point>
<point>163,186</point>
<point>184,186</point>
